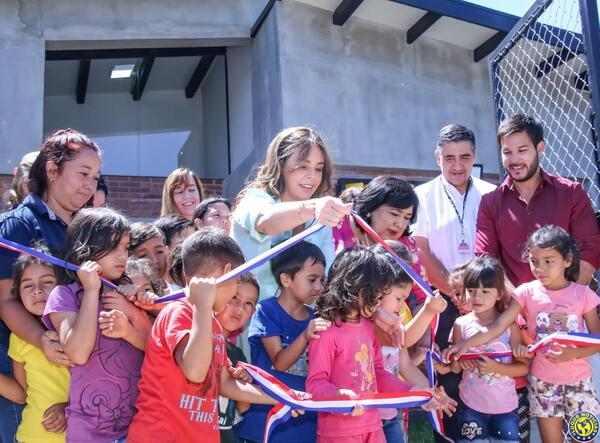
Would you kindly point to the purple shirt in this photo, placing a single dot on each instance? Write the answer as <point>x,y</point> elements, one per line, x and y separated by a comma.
<point>103,391</point>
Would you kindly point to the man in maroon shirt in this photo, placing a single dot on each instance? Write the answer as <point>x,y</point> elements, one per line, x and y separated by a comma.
<point>530,198</point>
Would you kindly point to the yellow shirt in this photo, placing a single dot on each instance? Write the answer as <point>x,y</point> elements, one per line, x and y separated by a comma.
<point>47,384</point>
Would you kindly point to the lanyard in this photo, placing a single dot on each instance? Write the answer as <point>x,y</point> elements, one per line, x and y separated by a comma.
<point>461,218</point>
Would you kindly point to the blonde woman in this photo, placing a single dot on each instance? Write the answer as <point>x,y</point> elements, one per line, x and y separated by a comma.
<point>181,193</point>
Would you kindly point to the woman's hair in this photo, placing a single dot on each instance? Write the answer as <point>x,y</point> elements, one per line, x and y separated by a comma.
<point>23,262</point>
<point>556,238</point>
<point>20,188</point>
<point>487,272</point>
<point>400,276</point>
<point>356,274</point>
<point>291,260</point>
<point>386,190</point>
<point>142,232</point>
<point>205,205</point>
<point>143,266</point>
<point>93,233</point>
<point>269,177</point>
<point>59,147</point>
<point>176,179</point>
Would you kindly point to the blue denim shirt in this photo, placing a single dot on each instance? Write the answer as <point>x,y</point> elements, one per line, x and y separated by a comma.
<point>27,224</point>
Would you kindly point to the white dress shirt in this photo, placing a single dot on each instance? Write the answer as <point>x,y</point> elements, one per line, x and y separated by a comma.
<point>438,221</point>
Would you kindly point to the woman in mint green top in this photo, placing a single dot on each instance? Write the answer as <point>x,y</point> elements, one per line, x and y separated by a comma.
<point>286,197</point>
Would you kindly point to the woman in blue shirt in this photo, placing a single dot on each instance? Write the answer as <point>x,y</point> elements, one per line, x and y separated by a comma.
<point>62,180</point>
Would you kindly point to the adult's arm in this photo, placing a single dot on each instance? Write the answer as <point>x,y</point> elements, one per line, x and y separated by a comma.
<point>436,272</point>
<point>486,237</point>
<point>583,226</point>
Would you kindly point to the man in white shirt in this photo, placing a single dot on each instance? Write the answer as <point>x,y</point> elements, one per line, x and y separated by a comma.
<point>448,204</point>
<point>445,231</point>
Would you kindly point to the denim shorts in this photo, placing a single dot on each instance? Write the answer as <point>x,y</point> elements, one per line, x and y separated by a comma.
<point>477,426</point>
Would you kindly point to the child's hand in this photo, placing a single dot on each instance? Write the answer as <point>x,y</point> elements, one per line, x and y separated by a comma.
<point>561,353</point>
<point>522,351</point>
<point>487,365</point>
<point>53,418</point>
<point>436,304</point>
<point>314,326</point>
<point>145,301</point>
<point>113,300</point>
<point>330,211</point>
<point>114,324</point>
<point>202,292</point>
<point>53,350</point>
<point>358,409</point>
<point>441,368</point>
<point>88,275</point>
<point>239,373</point>
<point>468,365</point>
<point>440,400</point>
<point>297,412</point>
<point>391,324</point>
<point>454,351</point>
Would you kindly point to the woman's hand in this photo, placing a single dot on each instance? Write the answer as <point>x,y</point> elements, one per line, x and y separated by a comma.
<point>53,350</point>
<point>330,211</point>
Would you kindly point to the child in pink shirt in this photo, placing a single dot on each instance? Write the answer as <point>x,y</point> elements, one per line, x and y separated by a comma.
<point>560,375</point>
<point>346,360</point>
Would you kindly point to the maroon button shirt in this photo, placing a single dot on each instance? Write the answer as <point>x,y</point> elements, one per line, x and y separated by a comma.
<point>505,221</point>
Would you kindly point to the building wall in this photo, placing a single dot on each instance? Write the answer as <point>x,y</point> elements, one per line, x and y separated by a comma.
<point>379,101</point>
<point>28,27</point>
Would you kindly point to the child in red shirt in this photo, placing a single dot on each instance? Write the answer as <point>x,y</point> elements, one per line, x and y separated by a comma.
<point>185,368</point>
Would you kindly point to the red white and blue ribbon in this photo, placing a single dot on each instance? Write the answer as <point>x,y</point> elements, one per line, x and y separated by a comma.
<point>20,249</point>
<point>563,338</point>
<point>290,399</point>
<point>257,261</point>
<point>567,338</point>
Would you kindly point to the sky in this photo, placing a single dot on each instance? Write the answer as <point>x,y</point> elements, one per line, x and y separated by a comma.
<point>514,7</point>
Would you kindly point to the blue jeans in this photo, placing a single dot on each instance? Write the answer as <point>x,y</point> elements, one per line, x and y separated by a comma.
<point>479,427</point>
<point>10,413</point>
<point>393,430</point>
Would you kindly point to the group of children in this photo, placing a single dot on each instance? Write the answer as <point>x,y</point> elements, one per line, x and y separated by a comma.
<point>149,372</point>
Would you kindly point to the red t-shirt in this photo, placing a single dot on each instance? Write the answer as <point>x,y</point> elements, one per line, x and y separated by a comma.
<point>169,407</point>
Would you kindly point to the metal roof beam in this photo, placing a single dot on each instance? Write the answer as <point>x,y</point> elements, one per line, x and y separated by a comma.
<point>465,11</point>
<point>344,10</point>
<point>486,48</point>
<point>82,80</point>
<point>141,77</point>
<point>198,75</point>
<point>421,26</point>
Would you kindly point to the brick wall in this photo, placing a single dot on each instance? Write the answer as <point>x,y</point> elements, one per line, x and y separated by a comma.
<point>137,197</point>
<point>140,197</point>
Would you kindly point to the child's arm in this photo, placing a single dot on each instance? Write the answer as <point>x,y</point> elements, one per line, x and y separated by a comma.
<point>488,333</point>
<point>194,352</point>
<point>410,372</point>
<point>517,368</point>
<point>14,388</point>
<point>77,330</point>
<point>561,353</point>
<point>421,322</point>
<point>284,358</point>
<point>54,419</point>
<point>241,391</point>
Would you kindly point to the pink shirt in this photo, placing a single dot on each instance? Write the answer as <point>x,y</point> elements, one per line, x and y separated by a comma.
<point>486,393</point>
<point>551,311</point>
<point>348,356</point>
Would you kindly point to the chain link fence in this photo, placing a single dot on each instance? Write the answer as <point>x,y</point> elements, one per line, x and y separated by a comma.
<point>542,69</point>
<point>543,72</point>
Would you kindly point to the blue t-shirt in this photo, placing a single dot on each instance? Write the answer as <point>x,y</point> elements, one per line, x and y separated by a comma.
<point>270,320</point>
<point>27,224</point>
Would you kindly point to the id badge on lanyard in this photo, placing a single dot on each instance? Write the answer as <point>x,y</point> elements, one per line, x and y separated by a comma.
<point>463,243</point>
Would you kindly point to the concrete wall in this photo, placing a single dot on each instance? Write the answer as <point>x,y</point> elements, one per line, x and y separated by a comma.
<point>28,27</point>
<point>134,134</point>
<point>379,101</point>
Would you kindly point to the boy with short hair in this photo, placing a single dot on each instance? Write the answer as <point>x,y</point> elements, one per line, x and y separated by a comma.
<point>185,367</point>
